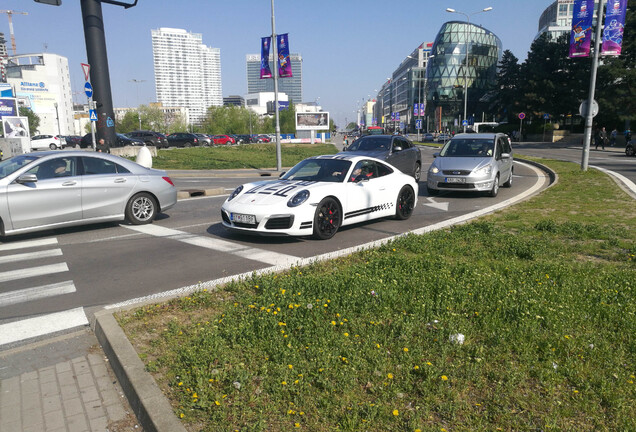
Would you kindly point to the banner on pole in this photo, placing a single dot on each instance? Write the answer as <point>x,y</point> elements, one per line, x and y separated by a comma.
<point>581,34</point>
<point>613,29</point>
<point>284,63</point>
<point>266,72</point>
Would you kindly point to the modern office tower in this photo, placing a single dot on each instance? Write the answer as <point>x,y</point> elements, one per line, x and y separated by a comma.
<point>292,86</point>
<point>4,55</point>
<point>187,73</point>
<point>463,56</point>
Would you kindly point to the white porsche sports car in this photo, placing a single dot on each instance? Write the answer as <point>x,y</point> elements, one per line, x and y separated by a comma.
<point>319,195</point>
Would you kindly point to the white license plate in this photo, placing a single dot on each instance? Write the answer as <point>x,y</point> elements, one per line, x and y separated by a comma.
<point>243,218</point>
<point>455,180</point>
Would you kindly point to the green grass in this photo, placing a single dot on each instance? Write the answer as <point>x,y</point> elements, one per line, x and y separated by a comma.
<point>253,156</point>
<point>544,293</point>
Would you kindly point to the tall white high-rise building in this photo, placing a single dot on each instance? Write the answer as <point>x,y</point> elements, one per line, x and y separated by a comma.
<point>187,73</point>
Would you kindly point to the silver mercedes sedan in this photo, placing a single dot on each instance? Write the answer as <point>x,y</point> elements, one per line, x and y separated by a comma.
<point>47,190</point>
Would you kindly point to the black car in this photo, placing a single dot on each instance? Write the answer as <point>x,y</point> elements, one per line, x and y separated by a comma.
<point>394,149</point>
<point>629,149</point>
<point>243,139</point>
<point>123,140</point>
<point>73,140</point>
<point>150,138</point>
<point>183,139</point>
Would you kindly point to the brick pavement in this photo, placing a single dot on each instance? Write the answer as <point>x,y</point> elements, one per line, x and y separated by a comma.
<point>63,385</point>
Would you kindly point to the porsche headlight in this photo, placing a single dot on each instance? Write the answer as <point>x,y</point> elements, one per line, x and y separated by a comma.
<point>298,199</point>
<point>235,193</point>
<point>484,171</point>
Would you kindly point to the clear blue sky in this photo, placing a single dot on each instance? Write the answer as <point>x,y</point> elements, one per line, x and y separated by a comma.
<point>349,47</point>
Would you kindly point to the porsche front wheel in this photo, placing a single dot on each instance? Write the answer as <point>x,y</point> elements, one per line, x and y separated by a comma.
<point>405,203</point>
<point>327,219</point>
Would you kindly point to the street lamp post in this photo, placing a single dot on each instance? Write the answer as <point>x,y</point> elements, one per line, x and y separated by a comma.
<point>136,81</point>
<point>489,8</point>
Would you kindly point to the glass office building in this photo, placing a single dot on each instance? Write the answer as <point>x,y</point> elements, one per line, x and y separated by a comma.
<point>462,54</point>
<point>292,86</point>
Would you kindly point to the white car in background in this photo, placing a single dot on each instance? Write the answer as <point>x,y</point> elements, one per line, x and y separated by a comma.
<point>319,195</point>
<point>47,142</point>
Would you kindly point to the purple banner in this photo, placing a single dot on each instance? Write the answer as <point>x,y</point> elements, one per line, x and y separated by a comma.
<point>614,25</point>
<point>581,35</point>
<point>266,72</point>
<point>284,63</point>
<point>7,107</point>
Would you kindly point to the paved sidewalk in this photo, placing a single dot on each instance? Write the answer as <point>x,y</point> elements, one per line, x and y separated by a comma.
<point>61,385</point>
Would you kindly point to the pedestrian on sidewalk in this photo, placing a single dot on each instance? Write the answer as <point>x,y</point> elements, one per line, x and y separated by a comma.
<point>613,137</point>
<point>602,137</point>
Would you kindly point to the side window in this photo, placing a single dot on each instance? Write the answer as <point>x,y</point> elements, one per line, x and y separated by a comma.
<point>54,168</point>
<point>498,149</point>
<point>383,170</point>
<point>94,166</point>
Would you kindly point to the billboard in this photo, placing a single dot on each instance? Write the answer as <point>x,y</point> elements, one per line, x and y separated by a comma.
<point>15,127</point>
<point>7,107</point>
<point>312,120</point>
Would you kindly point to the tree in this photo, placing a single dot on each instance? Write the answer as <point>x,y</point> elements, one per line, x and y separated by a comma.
<point>508,95</point>
<point>34,119</point>
<point>616,79</point>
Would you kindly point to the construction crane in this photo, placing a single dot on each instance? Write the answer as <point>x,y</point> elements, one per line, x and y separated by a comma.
<point>9,14</point>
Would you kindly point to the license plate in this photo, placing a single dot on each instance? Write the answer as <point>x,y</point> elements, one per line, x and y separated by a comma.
<point>243,218</point>
<point>455,180</point>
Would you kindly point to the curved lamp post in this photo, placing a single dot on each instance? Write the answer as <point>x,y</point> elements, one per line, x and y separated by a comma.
<point>489,8</point>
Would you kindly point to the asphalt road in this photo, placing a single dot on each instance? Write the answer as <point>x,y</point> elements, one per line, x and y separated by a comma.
<point>74,272</point>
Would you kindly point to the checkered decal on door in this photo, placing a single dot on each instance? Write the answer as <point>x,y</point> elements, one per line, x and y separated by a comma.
<point>385,206</point>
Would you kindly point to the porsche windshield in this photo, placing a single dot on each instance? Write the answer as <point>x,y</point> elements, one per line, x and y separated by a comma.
<point>468,147</point>
<point>11,165</point>
<point>324,170</point>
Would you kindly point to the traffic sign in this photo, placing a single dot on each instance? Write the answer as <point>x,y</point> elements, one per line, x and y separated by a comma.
<point>93,115</point>
<point>584,107</point>
<point>88,89</point>
<point>86,68</point>
<point>464,122</point>
<point>522,115</point>
<point>546,116</point>
<point>418,124</point>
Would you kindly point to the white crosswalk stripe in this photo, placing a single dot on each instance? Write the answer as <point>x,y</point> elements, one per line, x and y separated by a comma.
<point>31,252</point>
<point>35,293</point>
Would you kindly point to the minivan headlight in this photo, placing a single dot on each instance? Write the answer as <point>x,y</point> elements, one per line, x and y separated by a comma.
<point>298,199</point>
<point>484,171</point>
<point>434,169</point>
<point>235,193</point>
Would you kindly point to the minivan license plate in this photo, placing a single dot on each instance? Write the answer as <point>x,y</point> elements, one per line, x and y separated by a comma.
<point>243,218</point>
<point>455,180</point>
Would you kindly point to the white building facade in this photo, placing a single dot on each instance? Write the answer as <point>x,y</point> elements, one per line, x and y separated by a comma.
<point>187,73</point>
<point>556,19</point>
<point>42,82</point>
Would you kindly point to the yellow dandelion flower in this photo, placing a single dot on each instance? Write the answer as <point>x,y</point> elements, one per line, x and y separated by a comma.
<point>416,367</point>
<point>296,425</point>
<point>444,378</point>
<point>333,323</point>
<point>396,413</point>
<point>429,363</point>
<point>282,291</point>
<point>180,384</point>
<point>390,376</point>
<point>346,334</point>
<point>290,366</point>
<point>182,415</point>
<point>284,383</point>
<point>406,349</point>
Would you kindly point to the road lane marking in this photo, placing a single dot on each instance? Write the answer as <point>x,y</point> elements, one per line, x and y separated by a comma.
<point>30,256</point>
<point>27,244</point>
<point>35,293</point>
<point>41,325</point>
<point>254,254</point>
<point>32,272</point>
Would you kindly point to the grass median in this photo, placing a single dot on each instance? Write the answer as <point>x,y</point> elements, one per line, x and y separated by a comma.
<point>523,320</point>
<point>253,156</point>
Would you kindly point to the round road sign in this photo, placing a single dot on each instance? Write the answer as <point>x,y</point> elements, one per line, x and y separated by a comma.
<point>88,89</point>
<point>522,115</point>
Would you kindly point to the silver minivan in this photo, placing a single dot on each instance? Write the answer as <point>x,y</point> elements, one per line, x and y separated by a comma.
<point>472,162</point>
